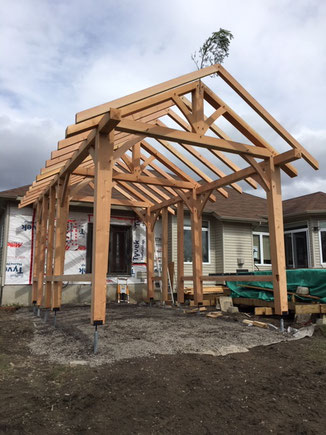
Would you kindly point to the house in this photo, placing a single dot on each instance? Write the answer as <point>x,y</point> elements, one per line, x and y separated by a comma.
<point>234,237</point>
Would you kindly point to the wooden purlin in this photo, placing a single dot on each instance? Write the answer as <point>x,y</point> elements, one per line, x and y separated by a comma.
<point>226,76</point>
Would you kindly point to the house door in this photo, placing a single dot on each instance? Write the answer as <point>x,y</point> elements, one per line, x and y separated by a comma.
<point>120,250</point>
<point>296,249</point>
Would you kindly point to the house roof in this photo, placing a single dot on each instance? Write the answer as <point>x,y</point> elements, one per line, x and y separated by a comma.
<point>239,206</point>
<point>307,204</point>
<point>15,193</point>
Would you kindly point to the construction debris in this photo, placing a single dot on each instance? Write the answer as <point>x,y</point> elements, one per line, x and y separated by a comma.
<point>255,323</point>
<point>214,314</point>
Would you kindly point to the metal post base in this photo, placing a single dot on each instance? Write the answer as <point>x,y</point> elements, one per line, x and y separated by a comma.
<point>46,316</point>
<point>282,325</point>
<point>95,340</point>
<point>34,310</point>
<point>38,312</point>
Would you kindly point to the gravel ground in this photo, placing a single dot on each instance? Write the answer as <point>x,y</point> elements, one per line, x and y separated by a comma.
<point>139,331</point>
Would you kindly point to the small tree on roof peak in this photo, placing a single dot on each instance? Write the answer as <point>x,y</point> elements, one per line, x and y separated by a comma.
<point>214,50</point>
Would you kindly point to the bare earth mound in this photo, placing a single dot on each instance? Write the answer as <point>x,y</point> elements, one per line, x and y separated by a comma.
<point>157,371</point>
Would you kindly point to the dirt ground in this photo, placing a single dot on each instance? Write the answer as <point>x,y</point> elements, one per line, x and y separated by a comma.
<point>157,371</point>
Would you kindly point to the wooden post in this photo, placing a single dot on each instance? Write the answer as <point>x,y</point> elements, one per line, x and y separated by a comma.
<point>62,212</point>
<point>36,252</point>
<point>42,248</point>
<point>101,228</point>
<point>150,255</point>
<point>165,246</point>
<point>180,252</point>
<point>197,254</point>
<point>276,235</point>
<point>49,253</point>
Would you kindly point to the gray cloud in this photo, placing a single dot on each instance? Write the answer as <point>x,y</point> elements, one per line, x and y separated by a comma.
<point>62,57</point>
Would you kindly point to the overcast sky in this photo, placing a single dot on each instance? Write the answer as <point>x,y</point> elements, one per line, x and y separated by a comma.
<point>61,57</point>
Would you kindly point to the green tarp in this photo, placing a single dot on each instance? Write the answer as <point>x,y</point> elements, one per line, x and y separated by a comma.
<point>315,279</point>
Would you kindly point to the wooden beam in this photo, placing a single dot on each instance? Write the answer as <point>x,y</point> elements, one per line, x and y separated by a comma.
<point>165,253</point>
<point>197,254</point>
<point>101,228</point>
<point>83,277</point>
<point>266,116</point>
<point>248,172</point>
<point>132,143</point>
<point>276,237</point>
<point>50,247</point>
<point>152,180</point>
<point>180,252</point>
<point>158,132</point>
<point>42,248</point>
<point>144,94</point>
<point>62,212</point>
<point>36,252</point>
<point>198,109</point>
<point>149,255</point>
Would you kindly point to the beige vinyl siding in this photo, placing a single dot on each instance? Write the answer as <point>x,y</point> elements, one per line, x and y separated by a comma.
<point>315,240</point>
<point>238,243</point>
<point>215,251</point>
<point>219,246</point>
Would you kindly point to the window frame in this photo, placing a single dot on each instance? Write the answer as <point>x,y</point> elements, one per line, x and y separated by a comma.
<point>261,247</point>
<point>208,230</point>
<point>322,260</point>
<point>300,230</point>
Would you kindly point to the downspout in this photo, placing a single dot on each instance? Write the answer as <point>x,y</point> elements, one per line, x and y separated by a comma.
<point>4,252</point>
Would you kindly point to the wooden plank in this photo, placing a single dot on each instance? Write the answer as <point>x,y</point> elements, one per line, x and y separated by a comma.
<point>307,308</point>
<point>180,252</point>
<point>62,211</point>
<point>236,278</point>
<point>146,93</point>
<point>165,253</point>
<point>50,247</point>
<point>101,228</point>
<point>86,277</point>
<point>165,133</point>
<point>276,237</point>
<point>266,116</point>
<point>42,249</point>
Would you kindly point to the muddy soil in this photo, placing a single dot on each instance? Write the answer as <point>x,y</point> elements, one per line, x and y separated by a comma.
<point>157,385</point>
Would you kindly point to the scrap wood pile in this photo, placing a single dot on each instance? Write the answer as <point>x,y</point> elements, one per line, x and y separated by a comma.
<point>306,290</point>
<point>211,294</point>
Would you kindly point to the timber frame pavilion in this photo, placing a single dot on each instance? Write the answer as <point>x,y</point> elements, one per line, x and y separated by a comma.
<point>107,149</point>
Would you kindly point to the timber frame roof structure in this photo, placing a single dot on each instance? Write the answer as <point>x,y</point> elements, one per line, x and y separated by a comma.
<point>107,148</point>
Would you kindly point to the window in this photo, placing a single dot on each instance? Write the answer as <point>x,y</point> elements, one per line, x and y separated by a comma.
<point>261,248</point>
<point>296,248</point>
<point>187,244</point>
<point>120,250</point>
<point>322,242</point>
